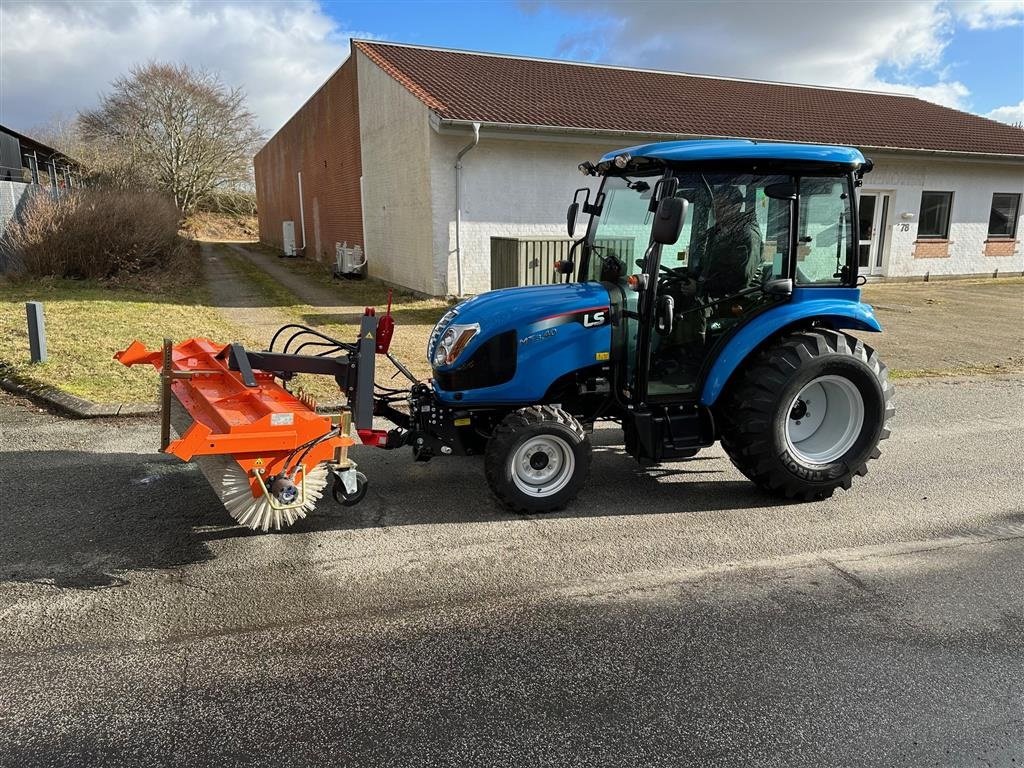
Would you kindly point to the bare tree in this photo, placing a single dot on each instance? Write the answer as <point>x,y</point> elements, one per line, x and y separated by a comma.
<point>176,128</point>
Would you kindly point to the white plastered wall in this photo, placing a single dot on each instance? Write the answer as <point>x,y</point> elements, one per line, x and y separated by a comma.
<point>511,187</point>
<point>394,135</point>
<point>972,184</point>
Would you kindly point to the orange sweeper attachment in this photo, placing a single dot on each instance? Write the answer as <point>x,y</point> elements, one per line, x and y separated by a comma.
<point>268,453</point>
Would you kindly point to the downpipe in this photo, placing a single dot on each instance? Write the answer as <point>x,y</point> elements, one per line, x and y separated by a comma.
<point>458,206</point>
<point>302,217</point>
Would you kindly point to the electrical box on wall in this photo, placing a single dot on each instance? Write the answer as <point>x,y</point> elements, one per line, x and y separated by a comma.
<point>288,240</point>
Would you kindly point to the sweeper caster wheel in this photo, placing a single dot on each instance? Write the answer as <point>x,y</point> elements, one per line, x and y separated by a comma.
<point>807,416</point>
<point>537,460</point>
<point>346,497</point>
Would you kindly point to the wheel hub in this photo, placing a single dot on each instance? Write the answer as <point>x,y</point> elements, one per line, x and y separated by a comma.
<point>799,410</point>
<point>543,465</point>
<point>825,419</point>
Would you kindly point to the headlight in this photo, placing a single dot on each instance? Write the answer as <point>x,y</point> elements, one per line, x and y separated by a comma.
<point>453,342</point>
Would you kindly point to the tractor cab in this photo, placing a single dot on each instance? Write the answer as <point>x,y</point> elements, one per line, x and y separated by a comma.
<point>694,240</point>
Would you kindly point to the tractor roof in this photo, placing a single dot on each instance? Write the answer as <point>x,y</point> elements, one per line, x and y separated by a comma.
<point>742,149</point>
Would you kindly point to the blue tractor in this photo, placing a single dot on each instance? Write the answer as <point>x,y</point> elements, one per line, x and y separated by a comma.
<point>708,300</point>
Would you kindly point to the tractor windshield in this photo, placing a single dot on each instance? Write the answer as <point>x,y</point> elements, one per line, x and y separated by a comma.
<point>620,235</point>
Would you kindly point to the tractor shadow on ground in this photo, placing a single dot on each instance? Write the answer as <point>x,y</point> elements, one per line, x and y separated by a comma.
<point>452,490</point>
<point>76,519</point>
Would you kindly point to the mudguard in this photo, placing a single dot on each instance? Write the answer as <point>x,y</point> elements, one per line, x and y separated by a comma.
<point>837,307</point>
<point>558,329</point>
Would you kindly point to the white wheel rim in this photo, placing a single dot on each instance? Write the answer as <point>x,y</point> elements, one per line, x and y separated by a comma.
<point>543,465</point>
<point>824,420</point>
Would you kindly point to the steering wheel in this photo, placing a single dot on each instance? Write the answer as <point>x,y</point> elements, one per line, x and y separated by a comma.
<point>611,266</point>
<point>673,275</point>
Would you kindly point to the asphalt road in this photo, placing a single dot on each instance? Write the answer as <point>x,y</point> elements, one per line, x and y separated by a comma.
<point>672,617</point>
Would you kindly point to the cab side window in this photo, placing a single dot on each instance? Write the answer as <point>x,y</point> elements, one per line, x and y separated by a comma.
<point>773,219</point>
<point>823,238</point>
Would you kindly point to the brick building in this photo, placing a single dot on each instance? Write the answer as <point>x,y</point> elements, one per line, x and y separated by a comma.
<point>425,156</point>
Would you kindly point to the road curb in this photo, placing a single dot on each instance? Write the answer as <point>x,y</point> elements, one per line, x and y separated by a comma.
<point>75,406</point>
<point>80,408</point>
<point>72,405</point>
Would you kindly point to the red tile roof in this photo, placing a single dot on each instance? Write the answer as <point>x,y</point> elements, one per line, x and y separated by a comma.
<point>460,85</point>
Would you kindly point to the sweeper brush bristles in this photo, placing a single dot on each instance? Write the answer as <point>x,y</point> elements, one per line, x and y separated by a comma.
<point>231,484</point>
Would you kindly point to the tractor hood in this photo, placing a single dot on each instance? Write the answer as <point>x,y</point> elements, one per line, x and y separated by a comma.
<point>537,332</point>
<point>518,308</point>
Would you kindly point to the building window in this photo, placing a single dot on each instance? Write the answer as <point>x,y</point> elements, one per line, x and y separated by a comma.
<point>934,219</point>
<point>1002,221</point>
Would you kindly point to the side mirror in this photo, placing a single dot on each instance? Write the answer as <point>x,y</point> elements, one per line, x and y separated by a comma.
<point>783,287</point>
<point>564,266</point>
<point>665,315</point>
<point>570,218</point>
<point>668,220</point>
<point>784,190</point>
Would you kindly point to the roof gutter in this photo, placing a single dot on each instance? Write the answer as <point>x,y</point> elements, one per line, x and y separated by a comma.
<point>526,131</point>
<point>458,205</point>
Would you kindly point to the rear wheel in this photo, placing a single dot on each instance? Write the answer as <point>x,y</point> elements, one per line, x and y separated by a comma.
<point>537,460</point>
<point>806,416</point>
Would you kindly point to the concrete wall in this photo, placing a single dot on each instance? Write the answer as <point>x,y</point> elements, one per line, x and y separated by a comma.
<point>972,184</point>
<point>510,188</point>
<point>322,141</point>
<point>395,139</point>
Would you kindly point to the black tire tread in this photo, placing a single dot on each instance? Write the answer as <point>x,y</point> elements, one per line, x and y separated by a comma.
<point>502,440</point>
<point>746,418</point>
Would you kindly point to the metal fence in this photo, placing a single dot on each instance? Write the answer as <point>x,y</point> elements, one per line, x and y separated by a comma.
<point>531,261</point>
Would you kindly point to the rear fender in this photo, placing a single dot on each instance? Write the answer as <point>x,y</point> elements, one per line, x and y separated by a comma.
<point>833,307</point>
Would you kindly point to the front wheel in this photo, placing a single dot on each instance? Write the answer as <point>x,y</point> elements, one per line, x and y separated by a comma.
<point>537,460</point>
<point>807,415</point>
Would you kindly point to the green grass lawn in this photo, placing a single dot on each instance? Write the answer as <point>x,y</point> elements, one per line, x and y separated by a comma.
<point>86,323</point>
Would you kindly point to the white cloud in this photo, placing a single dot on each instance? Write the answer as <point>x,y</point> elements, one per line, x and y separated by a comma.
<point>1011,113</point>
<point>58,56</point>
<point>989,14</point>
<point>870,45</point>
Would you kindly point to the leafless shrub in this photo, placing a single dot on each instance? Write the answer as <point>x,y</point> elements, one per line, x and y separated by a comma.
<point>233,202</point>
<point>97,234</point>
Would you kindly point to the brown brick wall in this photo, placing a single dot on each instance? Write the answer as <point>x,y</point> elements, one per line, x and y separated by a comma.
<point>1000,247</point>
<point>322,141</point>
<point>931,249</point>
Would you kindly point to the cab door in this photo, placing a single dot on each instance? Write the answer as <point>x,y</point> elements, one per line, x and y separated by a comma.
<point>714,276</point>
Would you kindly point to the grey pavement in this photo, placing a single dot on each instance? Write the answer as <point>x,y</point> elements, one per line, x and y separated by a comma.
<point>670,617</point>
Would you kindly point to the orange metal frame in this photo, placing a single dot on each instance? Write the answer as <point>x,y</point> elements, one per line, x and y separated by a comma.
<point>257,426</point>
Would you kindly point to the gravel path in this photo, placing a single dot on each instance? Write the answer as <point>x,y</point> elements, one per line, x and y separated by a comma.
<point>325,301</point>
<point>239,300</point>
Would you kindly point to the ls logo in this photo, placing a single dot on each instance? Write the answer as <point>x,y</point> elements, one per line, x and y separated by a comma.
<point>595,318</point>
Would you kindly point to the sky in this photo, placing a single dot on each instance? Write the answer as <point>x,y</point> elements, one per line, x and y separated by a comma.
<point>58,56</point>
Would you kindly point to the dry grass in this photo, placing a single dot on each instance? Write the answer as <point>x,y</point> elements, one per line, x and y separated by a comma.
<point>408,307</point>
<point>222,227</point>
<point>95,234</point>
<point>414,318</point>
<point>87,322</point>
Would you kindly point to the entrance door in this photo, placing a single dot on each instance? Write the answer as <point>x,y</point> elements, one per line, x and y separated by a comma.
<point>873,213</point>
